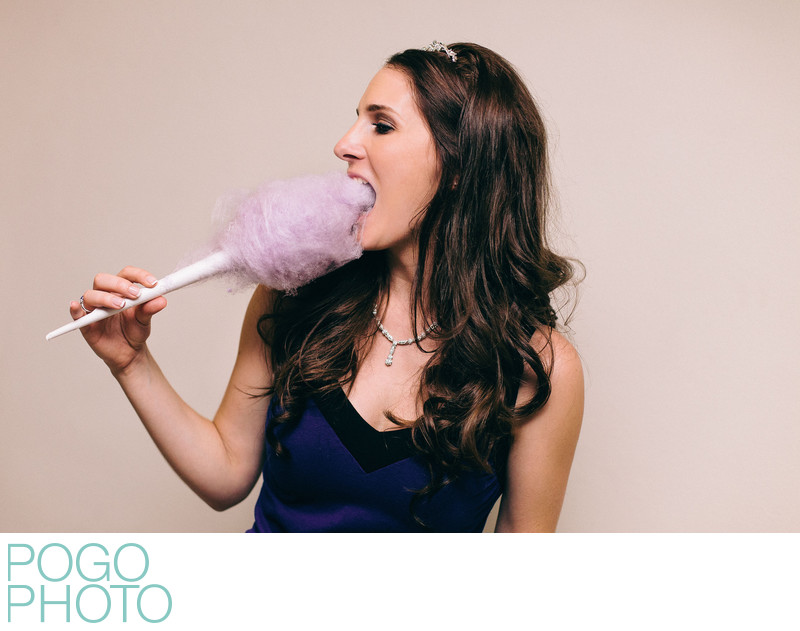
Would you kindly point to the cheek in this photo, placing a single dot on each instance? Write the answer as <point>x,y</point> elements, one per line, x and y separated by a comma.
<point>421,187</point>
<point>427,175</point>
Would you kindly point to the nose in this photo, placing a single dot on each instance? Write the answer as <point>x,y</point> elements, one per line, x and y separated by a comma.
<point>349,148</point>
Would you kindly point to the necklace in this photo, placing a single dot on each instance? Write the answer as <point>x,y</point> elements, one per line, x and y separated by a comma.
<point>396,343</point>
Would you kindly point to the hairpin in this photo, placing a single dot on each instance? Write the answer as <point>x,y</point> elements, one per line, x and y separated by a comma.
<point>435,46</point>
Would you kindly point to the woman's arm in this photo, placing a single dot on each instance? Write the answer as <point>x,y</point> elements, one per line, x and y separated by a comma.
<point>541,454</point>
<point>221,459</point>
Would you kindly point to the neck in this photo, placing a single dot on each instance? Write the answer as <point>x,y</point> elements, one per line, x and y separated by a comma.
<point>396,307</point>
<point>402,263</point>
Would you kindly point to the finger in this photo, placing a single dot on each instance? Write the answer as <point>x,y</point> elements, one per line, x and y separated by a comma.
<point>79,308</point>
<point>94,298</point>
<point>145,312</point>
<point>138,275</point>
<point>115,284</point>
<point>75,310</point>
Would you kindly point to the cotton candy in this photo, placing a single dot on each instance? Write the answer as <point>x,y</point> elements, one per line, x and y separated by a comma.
<point>286,233</point>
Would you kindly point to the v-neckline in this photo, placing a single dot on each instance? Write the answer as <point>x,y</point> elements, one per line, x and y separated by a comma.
<point>373,449</point>
<point>352,408</point>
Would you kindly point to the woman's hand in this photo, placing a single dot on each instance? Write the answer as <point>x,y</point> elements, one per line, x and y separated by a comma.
<point>120,339</point>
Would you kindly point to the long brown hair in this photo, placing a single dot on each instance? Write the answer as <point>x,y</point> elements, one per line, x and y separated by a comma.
<point>483,252</point>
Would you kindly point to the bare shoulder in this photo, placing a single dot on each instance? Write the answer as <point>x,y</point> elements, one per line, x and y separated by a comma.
<point>263,299</point>
<point>562,413</point>
<point>261,303</point>
<point>562,362</point>
<point>251,345</point>
<point>544,443</point>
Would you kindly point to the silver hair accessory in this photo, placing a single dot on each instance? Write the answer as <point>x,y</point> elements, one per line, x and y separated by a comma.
<point>83,306</point>
<point>435,46</point>
<point>396,343</point>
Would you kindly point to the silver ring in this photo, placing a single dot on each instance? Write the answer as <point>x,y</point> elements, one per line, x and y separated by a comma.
<point>83,306</point>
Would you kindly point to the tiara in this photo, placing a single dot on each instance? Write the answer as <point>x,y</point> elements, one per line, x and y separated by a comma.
<point>435,46</point>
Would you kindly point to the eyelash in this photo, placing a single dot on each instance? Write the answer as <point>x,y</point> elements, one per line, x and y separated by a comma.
<point>382,128</point>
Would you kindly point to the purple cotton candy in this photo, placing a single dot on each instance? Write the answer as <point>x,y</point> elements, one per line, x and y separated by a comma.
<point>286,233</point>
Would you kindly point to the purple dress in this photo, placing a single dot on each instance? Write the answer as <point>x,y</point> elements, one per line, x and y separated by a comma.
<point>342,475</point>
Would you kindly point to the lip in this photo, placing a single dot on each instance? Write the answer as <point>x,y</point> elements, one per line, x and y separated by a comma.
<point>356,176</point>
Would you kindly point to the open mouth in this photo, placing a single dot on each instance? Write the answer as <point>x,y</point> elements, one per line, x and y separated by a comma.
<point>370,194</point>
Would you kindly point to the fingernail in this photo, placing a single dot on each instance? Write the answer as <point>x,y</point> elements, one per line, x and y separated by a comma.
<point>151,280</point>
<point>118,303</point>
<point>133,291</point>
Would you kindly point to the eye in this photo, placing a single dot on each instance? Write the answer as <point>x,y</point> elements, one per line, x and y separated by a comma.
<point>382,128</point>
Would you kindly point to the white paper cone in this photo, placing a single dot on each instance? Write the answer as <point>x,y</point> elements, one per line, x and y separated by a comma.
<point>211,265</point>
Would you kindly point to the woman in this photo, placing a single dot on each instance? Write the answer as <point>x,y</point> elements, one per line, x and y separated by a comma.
<point>480,395</point>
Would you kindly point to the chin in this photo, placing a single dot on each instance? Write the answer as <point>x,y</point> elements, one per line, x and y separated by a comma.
<point>367,233</point>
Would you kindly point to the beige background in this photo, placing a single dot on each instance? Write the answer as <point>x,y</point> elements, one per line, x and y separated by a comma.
<point>676,149</point>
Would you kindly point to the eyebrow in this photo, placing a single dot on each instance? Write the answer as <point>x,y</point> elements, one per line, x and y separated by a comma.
<point>374,107</point>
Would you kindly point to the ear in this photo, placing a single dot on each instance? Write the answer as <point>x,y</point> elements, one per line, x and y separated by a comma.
<point>454,185</point>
